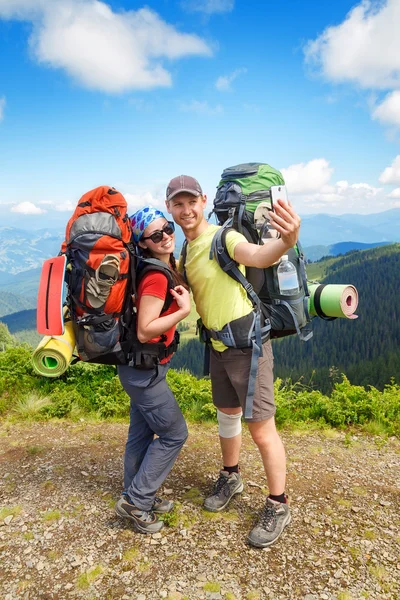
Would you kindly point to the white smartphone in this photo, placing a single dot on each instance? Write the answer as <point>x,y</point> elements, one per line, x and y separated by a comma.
<point>278,192</point>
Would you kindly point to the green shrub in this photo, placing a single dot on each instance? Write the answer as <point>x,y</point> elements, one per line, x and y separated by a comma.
<point>95,389</point>
<point>16,373</point>
<point>193,395</point>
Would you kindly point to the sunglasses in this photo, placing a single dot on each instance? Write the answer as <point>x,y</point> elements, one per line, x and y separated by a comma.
<point>158,235</point>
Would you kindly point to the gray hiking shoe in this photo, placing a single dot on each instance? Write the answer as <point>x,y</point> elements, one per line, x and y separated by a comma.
<point>226,486</point>
<point>143,521</point>
<point>274,517</point>
<point>161,506</point>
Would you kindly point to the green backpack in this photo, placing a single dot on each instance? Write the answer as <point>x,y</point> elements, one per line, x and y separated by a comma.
<point>242,202</point>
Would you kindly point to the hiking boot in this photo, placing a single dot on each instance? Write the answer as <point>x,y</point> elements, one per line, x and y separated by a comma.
<point>143,521</point>
<point>161,506</point>
<point>274,517</point>
<point>226,486</point>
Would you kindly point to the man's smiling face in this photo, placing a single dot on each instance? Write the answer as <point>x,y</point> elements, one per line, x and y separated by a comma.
<point>187,210</point>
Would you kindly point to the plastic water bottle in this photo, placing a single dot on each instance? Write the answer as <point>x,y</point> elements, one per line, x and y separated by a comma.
<point>287,277</point>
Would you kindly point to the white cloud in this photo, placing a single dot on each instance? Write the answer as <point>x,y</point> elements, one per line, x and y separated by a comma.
<point>344,197</point>
<point>102,49</point>
<point>2,106</point>
<point>363,49</point>
<point>27,208</point>
<point>389,110</point>
<point>391,174</point>
<point>202,108</point>
<point>223,83</point>
<point>394,193</point>
<point>209,7</point>
<point>307,177</point>
<point>311,190</point>
<point>65,206</point>
<point>136,201</point>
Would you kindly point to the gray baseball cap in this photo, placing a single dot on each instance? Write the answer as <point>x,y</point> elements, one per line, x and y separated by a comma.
<point>183,183</point>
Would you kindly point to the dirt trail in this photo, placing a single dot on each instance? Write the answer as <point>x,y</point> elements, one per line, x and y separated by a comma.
<point>60,538</point>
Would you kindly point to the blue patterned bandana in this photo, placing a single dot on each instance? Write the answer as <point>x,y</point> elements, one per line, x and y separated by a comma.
<point>141,219</point>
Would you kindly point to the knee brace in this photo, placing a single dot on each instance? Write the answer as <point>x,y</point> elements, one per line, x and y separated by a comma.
<point>229,425</point>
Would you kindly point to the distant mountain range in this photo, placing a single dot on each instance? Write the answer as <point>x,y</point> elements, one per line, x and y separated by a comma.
<point>314,253</point>
<point>317,230</point>
<point>23,250</point>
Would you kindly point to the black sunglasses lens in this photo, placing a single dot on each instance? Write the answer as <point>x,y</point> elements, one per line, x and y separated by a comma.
<point>156,237</point>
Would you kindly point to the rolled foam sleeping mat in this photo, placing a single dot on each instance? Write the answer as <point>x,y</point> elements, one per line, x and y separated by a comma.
<point>334,300</point>
<point>53,354</point>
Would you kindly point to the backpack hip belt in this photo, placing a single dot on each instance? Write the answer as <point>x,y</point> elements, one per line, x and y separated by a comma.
<point>148,355</point>
<point>244,332</point>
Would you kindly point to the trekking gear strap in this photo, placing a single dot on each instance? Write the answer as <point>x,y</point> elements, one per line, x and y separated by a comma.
<point>182,260</point>
<point>255,355</point>
<point>304,282</point>
<point>303,334</point>
<point>229,264</point>
<point>317,304</point>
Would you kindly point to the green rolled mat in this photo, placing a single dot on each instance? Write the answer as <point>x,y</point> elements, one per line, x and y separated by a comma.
<point>53,354</point>
<point>333,300</point>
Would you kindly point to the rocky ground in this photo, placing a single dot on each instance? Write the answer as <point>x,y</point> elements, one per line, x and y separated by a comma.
<point>60,538</point>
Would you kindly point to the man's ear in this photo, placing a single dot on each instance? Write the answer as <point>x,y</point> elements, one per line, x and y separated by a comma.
<point>167,205</point>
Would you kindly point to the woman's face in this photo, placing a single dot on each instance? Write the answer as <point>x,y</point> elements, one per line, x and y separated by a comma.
<point>165,245</point>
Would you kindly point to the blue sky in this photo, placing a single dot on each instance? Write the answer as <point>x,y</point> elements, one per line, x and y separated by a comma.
<point>130,95</point>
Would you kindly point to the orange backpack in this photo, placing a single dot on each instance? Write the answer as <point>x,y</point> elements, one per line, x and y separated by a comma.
<point>102,272</point>
<point>98,248</point>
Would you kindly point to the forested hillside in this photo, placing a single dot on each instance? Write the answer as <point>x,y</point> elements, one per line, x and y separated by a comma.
<point>22,325</point>
<point>366,349</point>
<point>11,303</point>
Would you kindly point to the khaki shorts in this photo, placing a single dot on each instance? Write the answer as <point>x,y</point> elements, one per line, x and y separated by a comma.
<point>229,372</point>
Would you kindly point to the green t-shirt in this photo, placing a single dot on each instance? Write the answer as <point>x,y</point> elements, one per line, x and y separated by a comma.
<point>218,298</point>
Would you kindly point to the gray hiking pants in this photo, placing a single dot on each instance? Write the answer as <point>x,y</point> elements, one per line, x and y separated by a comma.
<point>154,410</point>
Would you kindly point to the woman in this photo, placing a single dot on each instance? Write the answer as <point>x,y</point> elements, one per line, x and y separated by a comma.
<point>154,410</point>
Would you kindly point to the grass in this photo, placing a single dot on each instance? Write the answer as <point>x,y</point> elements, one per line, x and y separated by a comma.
<point>7,511</point>
<point>31,406</point>
<point>317,270</point>
<point>48,486</point>
<point>369,534</point>
<point>226,515</point>
<point>131,554</point>
<point>360,491</point>
<point>212,586</point>
<point>343,502</point>
<point>35,450</point>
<point>195,496</point>
<point>86,578</point>
<point>51,515</point>
<point>379,572</point>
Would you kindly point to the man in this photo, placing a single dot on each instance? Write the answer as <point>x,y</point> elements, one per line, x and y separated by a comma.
<point>219,299</point>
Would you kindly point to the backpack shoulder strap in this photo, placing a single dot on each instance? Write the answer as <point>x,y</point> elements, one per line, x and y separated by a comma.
<point>145,265</point>
<point>229,265</point>
<point>182,260</point>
